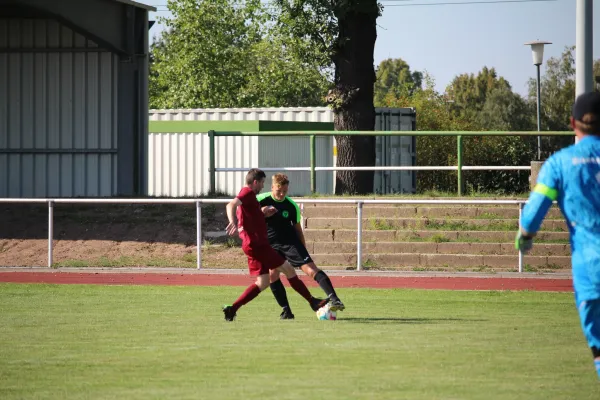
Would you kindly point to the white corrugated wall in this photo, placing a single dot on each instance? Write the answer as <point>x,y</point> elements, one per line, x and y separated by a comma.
<point>178,163</point>
<point>236,152</point>
<point>57,112</point>
<point>256,151</point>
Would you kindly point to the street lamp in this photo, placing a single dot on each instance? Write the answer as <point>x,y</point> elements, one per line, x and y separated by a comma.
<point>537,51</point>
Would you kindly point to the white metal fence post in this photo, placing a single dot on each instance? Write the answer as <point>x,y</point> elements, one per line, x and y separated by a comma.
<point>50,231</point>
<point>359,215</point>
<point>520,252</point>
<point>302,216</point>
<point>198,235</point>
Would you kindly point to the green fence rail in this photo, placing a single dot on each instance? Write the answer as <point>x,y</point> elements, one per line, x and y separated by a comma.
<point>313,134</point>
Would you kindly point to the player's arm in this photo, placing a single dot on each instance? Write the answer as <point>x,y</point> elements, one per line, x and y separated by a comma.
<point>267,210</point>
<point>540,200</point>
<point>534,212</point>
<point>231,209</point>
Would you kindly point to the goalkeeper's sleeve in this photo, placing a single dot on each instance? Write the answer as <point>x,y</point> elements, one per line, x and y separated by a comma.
<point>540,200</point>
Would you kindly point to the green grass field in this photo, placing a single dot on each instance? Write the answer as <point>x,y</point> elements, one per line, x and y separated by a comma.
<point>169,342</point>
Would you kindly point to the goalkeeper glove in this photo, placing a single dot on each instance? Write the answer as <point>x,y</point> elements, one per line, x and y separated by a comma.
<point>523,242</point>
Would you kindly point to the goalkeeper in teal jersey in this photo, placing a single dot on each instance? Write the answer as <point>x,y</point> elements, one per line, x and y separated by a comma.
<point>572,178</point>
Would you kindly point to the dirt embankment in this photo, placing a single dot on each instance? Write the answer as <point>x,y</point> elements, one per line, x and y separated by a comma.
<point>116,235</point>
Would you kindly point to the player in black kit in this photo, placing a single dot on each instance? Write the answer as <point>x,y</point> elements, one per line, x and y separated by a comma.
<point>285,235</point>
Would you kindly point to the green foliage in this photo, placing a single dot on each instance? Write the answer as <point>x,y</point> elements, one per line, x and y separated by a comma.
<point>278,78</point>
<point>313,24</point>
<point>227,53</point>
<point>393,77</point>
<point>498,150</point>
<point>557,87</point>
<point>433,114</point>
<point>557,91</point>
<point>505,110</point>
<point>432,108</point>
<point>501,110</point>
<point>316,23</point>
<point>469,92</point>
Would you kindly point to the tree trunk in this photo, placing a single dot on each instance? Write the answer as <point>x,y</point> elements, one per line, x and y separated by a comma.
<point>352,97</point>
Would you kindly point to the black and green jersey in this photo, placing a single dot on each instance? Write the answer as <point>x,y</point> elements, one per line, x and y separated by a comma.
<point>280,226</point>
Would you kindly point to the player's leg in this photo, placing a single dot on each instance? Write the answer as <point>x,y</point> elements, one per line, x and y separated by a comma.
<point>280,294</point>
<point>324,283</point>
<point>589,314</point>
<point>308,266</point>
<point>295,260</point>
<point>288,270</point>
<point>261,271</point>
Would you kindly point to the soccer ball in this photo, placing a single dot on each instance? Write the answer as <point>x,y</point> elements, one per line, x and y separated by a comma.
<point>325,314</point>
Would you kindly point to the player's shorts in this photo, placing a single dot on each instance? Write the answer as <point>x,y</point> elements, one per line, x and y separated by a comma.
<point>296,254</point>
<point>589,315</point>
<point>261,259</point>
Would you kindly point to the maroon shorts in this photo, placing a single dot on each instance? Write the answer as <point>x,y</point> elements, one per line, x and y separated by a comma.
<point>262,258</point>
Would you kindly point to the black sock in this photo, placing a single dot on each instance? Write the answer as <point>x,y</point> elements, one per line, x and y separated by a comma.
<point>279,292</point>
<point>325,284</point>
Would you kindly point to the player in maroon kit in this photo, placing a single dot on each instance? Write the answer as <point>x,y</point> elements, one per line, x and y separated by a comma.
<point>262,258</point>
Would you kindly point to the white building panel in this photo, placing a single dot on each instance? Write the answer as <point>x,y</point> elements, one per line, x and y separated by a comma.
<point>58,119</point>
<point>255,151</point>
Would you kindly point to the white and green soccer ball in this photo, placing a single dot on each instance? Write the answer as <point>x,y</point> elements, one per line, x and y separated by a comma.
<point>326,314</point>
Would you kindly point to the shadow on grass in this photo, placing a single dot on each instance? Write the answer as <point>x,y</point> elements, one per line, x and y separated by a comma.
<point>374,320</point>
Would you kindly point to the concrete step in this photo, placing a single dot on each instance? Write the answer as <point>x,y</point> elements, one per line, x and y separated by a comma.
<point>405,211</point>
<point>437,248</point>
<point>349,235</point>
<point>448,261</point>
<point>427,223</point>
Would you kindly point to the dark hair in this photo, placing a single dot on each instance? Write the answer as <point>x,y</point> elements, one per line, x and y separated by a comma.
<point>586,113</point>
<point>254,174</point>
<point>588,125</point>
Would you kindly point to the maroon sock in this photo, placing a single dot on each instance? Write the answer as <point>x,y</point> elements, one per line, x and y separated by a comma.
<point>300,287</point>
<point>250,293</point>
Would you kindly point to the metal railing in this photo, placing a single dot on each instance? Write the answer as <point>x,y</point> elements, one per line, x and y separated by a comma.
<point>313,151</point>
<point>199,202</point>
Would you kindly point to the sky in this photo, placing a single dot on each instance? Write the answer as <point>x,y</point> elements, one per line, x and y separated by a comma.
<point>451,39</point>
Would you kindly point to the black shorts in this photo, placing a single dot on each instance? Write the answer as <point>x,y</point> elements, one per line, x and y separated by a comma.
<point>296,253</point>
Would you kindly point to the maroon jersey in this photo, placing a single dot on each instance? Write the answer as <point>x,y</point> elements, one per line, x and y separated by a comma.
<point>251,221</point>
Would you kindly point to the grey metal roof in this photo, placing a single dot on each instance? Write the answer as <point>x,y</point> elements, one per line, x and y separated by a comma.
<point>136,4</point>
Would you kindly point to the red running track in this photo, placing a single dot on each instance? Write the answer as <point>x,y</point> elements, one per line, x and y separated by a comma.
<point>381,282</point>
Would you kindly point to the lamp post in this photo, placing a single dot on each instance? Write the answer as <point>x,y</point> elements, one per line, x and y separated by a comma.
<point>537,51</point>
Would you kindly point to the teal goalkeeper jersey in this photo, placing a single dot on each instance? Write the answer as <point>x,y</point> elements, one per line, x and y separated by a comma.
<point>572,178</point>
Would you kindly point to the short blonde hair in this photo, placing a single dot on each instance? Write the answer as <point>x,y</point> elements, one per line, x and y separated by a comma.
<point>280,180</point>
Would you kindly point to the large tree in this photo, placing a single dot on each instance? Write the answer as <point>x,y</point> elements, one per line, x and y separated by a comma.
<point>394,76</point>
<point>226,53</point>
<point>469,92</point>
<point>505,110</point>
<point>343,33</point>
